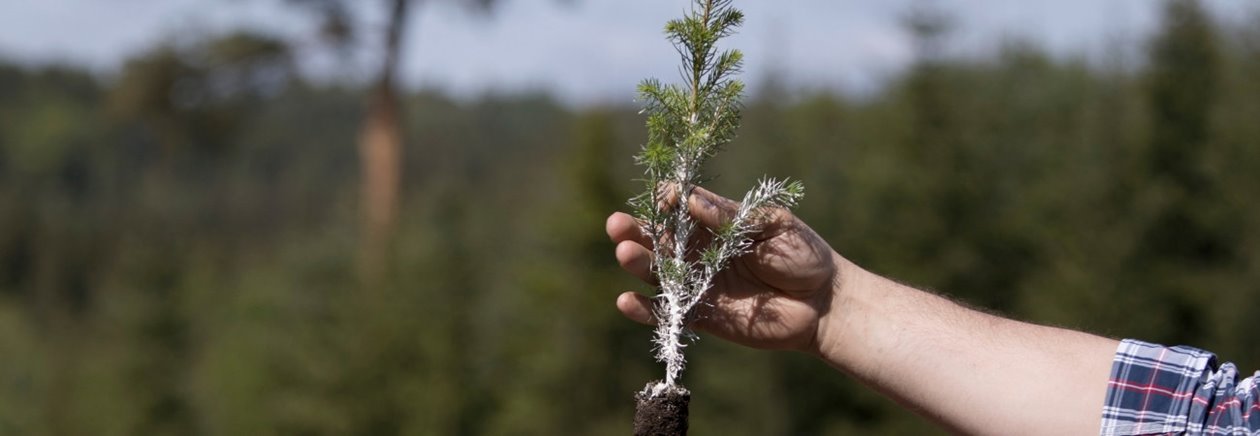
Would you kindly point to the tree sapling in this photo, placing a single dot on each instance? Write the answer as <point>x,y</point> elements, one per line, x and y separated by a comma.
<point>687,124</point>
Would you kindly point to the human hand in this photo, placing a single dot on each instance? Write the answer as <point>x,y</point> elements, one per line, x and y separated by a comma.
<point>922,350</point>
<point>774,297</point>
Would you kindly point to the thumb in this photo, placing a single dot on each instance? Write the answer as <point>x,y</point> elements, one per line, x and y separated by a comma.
<point>636,307</point>
<point>711,210</point>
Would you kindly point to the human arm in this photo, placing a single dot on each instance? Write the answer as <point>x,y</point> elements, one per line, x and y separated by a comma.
<point>969,371</point>
<point>972,372</point>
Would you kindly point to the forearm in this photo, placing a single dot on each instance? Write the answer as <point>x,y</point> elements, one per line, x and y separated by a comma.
<point>973,372</point>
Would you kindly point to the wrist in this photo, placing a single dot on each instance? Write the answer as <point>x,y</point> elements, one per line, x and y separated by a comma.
<point>856,324</point>
<point>835,307</point>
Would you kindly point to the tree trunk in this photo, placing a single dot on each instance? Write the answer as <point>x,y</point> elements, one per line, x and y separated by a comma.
<point>380,154</point>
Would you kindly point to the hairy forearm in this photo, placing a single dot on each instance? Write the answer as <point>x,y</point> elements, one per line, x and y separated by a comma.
<point>973,372</point>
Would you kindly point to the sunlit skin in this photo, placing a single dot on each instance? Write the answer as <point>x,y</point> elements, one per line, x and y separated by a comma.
<point>970,372</point>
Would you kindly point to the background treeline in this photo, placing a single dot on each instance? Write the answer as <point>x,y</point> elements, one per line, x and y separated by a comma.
<point>178,243</point>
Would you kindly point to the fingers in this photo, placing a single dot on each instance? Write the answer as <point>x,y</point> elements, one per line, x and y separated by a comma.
<point>631,250</point>
<point>635,259</point>
<point>711,210</point>
<point>636,307</point>
<point>623,227</point>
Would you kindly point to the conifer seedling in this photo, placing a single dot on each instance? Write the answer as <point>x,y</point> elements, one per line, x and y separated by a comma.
<point>689,123</point>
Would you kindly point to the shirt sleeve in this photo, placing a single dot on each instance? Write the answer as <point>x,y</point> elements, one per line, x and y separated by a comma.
<point>1155,389</point>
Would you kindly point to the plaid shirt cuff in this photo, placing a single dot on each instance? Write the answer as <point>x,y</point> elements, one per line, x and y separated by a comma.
<point>1177,390</point>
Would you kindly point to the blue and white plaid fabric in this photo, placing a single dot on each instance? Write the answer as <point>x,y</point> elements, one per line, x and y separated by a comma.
<point>1177,390</point>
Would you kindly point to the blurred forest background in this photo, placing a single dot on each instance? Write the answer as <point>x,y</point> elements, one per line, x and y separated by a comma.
<point>211,243</point>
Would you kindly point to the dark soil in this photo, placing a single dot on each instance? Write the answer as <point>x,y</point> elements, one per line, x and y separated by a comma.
<point>662,415</point>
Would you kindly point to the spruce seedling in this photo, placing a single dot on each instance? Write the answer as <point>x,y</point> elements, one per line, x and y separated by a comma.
<point>687,124</point>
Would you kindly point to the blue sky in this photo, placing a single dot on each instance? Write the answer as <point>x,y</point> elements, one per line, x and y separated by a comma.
<point>595,50</point>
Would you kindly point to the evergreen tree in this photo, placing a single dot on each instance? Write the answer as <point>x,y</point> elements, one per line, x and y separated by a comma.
<point>687,125</point>
<point>1183,85</point>
<point>1187,238</point>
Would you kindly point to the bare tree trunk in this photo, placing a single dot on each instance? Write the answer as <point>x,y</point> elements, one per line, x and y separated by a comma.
<point>380,154</point>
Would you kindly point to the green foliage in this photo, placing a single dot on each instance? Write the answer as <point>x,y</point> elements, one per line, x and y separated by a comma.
<point>687,125</point>
<point>1184,234</point>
